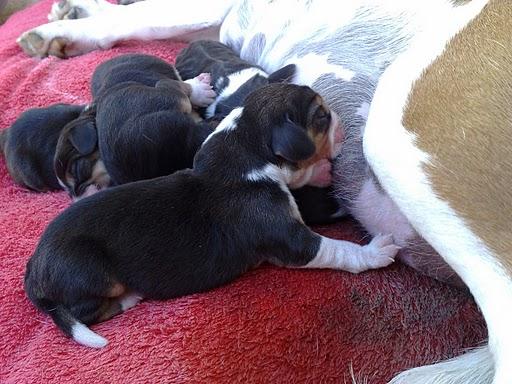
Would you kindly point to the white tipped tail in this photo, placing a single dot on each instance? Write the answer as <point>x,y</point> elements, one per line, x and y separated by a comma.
<point>83,335</point>
<point>474,367</point>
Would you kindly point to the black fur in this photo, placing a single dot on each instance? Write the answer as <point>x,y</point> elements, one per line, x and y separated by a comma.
<point>143,129</point>
<point>77,153</point>
<point>29,145</point>
<point>180,234</point>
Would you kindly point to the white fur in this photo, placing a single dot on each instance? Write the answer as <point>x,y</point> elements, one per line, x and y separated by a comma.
<point>352,257</point>
<point>129,301</point>
<point>317,66</point>
<point>136,21</point>
<point>236,80</point>
<point>397,162</point>
<point>85,336</point>
<point>228,124</point>
<point>475,367</point>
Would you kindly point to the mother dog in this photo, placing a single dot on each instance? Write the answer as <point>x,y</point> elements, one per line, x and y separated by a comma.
<point>428,153</point>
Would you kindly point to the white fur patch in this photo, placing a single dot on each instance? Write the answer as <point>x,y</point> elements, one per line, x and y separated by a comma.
<point>229,123</point>
<point>236,80</point>
<point>85,336</point>
<point>129,301</point>
<point>363,110</point>
<point>352,257</point>
<point>475,367</point>
<point>312,66</point>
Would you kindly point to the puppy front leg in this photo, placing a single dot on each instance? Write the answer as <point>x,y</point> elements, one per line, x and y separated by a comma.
<point>318,251</point>
<point>146,20</point>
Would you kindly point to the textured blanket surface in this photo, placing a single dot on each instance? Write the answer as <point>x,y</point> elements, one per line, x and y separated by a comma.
<point>270,326</point>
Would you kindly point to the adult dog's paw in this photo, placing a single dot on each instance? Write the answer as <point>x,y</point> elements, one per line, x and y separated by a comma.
<point>35,44</point>
<point>73,9</point>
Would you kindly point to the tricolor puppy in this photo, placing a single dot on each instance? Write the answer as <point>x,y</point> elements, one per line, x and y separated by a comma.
<point>29,145</point>
<point>77,163</point>
<point>141,125</point>
<point>428,158</point>
<point>198,228</point>
<point>233,79</point>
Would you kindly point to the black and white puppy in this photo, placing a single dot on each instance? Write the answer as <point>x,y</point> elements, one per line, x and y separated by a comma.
<point>233,79</point>
<point>29,145</point>
<point>144,125</point>
<point>198,228</point>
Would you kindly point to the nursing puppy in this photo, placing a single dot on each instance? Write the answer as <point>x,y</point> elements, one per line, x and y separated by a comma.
<point>141,125</point>
<point>199,228</point>
<point>29,145</point>
<point>233,79</point>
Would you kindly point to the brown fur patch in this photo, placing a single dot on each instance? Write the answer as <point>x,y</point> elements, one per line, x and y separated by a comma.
<point>461,112</point>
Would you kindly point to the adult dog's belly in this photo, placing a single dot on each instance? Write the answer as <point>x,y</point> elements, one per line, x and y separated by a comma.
<point>341,55</point>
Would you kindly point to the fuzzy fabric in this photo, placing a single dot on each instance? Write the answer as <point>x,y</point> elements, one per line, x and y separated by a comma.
<point>270,326</point>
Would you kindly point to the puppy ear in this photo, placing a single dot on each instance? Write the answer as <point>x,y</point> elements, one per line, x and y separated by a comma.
<point>283,75</point>
<point>84,138</point>
<point>292,143</point>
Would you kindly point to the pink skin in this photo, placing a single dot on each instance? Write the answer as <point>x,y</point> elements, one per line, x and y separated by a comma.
<point>202,94</point>
<point>321,176</point>
<point>321,172</point>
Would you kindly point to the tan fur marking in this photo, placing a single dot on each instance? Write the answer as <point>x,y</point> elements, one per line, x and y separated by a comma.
<point>461,112</point>
<point>116,290</point>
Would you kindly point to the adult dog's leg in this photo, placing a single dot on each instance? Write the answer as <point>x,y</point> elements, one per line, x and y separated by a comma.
<point>426,140</point>
<point>146,20</point>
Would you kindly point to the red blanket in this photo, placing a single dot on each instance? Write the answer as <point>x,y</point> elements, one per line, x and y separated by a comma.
<point>271,325</point>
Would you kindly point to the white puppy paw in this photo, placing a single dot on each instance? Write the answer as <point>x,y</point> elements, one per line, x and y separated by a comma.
<point>380,252</point>
<point>202,93</point>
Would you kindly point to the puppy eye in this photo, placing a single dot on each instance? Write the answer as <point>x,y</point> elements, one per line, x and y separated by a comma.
<point>322,116</point>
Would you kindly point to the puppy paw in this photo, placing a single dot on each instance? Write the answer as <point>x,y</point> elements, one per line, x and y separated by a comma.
<point>73,9</point>
<point>321,176</point>
<point>380,252</point>
<point>202,93</point>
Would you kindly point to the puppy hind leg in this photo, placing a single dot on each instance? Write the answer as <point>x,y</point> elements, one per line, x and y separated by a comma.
<point>201,92</point>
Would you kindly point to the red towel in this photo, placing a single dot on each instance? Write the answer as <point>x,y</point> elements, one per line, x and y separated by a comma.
<point>272,325</point>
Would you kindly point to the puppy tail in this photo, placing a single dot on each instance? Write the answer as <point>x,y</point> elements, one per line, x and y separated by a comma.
<point>476,366</point>
<point>73,328</point>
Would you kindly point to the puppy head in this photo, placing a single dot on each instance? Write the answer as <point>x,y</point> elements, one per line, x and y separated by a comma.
<point>301,131</point>
<point>77,163</point>
<point>226,104</point>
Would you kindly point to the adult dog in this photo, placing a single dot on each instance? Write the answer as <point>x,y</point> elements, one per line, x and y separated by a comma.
<point>427,154</point>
